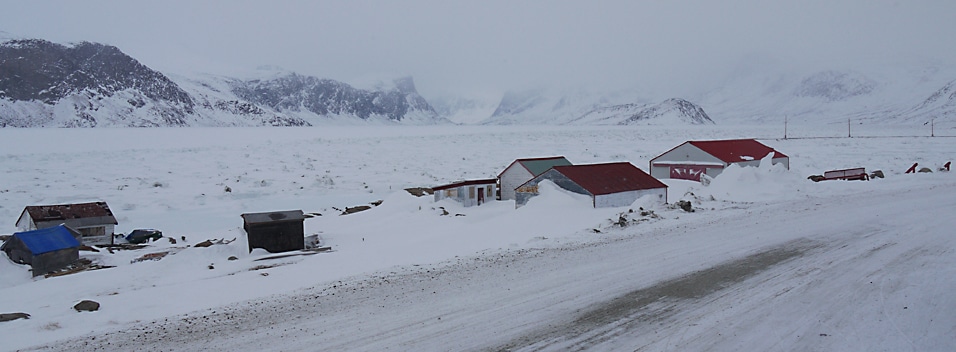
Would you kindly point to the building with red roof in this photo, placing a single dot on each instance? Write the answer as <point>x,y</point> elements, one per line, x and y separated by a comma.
<point>692,159</point>
<point>609,184</point>
<point>95,220</point>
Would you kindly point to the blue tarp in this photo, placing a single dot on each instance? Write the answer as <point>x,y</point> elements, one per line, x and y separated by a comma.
<point>48,240</point>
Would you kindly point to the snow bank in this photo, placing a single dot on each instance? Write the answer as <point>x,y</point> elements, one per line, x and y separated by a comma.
<point>763,183</point>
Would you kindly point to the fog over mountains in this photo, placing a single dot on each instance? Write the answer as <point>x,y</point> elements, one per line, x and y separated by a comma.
<point>45,84</point>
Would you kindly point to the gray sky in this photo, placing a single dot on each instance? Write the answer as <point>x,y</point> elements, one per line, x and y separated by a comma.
<point>468,47</point>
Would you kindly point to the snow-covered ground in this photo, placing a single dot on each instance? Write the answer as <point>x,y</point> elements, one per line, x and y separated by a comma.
<point>769,261</point>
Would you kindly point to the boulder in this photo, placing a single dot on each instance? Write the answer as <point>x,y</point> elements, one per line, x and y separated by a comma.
<point>87,306</point>
<point>686,206</point>
<point>13,316</point>
<point>355,209</point>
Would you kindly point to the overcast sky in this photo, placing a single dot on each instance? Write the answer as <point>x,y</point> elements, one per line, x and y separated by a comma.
<point>468,47</point>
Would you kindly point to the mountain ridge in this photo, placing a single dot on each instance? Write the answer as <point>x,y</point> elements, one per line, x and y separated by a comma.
<point>45,84</point>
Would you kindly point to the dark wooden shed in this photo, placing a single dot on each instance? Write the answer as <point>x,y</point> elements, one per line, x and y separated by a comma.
<point>278,231</point>
<point>45,250</point>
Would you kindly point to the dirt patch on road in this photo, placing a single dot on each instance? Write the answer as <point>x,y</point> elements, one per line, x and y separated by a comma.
<point>654,303</point>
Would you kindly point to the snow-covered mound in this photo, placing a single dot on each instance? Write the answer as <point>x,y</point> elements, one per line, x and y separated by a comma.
<point>755,184</point>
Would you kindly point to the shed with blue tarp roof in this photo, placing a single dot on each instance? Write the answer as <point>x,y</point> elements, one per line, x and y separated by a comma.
<point>45,250</point>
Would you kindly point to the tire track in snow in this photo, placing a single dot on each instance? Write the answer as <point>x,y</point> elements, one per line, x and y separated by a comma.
<point>654,303</point>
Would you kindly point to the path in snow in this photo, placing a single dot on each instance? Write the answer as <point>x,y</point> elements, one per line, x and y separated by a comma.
<point>859,272</point>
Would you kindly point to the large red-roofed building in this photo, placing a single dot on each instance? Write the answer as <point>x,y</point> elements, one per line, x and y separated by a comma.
<point>609,184</point>
<point>692,159</point>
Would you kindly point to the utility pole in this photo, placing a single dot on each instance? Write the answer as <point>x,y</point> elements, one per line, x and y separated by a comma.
<point>932,128</point>
<point>848,134</point>
<point>785,126</point>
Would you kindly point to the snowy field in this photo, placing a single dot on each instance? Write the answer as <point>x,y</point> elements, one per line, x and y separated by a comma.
<point>768,261</point>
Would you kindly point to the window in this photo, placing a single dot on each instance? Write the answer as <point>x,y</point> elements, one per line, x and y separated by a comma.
<point>471,192</point>
<point>488,191</point>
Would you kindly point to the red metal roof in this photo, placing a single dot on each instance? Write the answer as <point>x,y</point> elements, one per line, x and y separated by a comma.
<point>69,211</point>
<point>736,150</point>
<point>609,178</point>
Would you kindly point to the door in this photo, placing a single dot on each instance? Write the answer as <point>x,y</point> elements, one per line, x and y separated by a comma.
<point>481,196</point>
<point>687,172</point>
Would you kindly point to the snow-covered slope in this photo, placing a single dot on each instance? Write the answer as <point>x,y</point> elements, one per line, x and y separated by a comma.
<point>465,110</point>
<point>883,94</point>
<point>84,85</point>
<point>561,106</point>
<point>941,105</point>
<point>669,112</point>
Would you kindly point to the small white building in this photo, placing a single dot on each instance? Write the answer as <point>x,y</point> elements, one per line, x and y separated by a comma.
<point>94,221</point>
<point>692,159</point>
<point>522,170</point>
<point>609,184</point>
<point>468,193</point>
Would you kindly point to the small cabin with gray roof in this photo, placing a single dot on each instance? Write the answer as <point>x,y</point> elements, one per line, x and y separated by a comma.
<point>692,159</point>
<point>609,185</point>
<point>45,250</point>
<point>277,231</point>
<point>94,221</point>
<point>468,193</point>
<point>523,170</point>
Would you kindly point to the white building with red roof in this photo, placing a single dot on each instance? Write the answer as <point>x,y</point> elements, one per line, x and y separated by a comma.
<point>609,184</point>
<point>692,159</point>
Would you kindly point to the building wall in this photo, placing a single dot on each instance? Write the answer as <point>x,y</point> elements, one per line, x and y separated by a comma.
<point>280,236</point>
<point>511,178</point>
<point>17,251</point>
<point>25,223</point>
<point>53,261</point>
<point>686,154</point>
<point>96,233</point>
<point>623,199</point>
<point>467,195</point>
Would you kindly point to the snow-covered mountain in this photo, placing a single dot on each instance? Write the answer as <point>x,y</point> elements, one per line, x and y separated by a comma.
<point>466,110</point>
<point>84,85</point>
<point>548,106</point>
<point>888,94</point>
<point>940,105</point>
<point>44,84</point>
<point>671,111</point>
<point>582,107</point>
